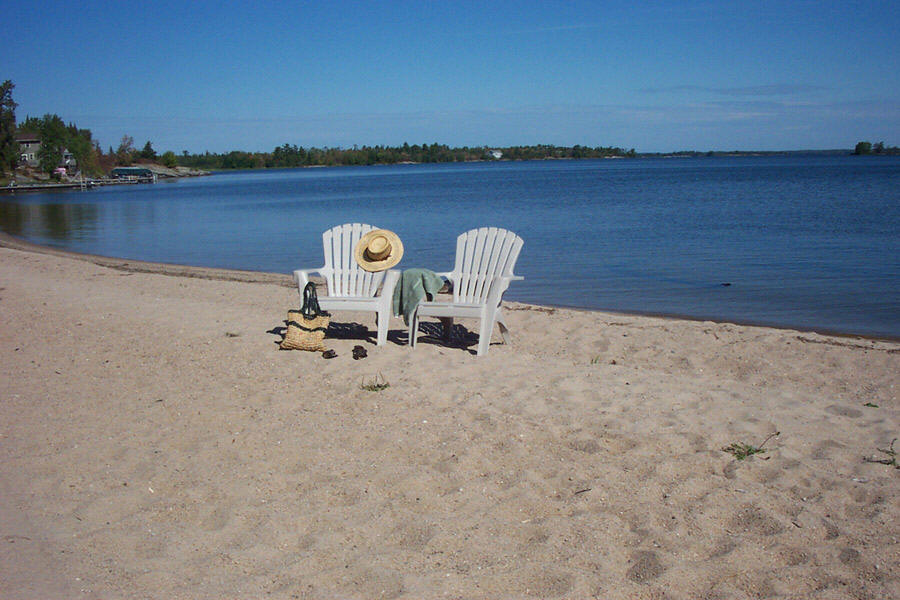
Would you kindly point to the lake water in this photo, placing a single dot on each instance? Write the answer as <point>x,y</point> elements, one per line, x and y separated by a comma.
<point>811,242</point>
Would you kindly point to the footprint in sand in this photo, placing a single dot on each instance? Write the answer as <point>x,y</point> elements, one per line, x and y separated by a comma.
<point>792,556</point>
<point>722,548</point>
<point>822,450</point>
<point>751,519</point>
<point>586,446</point>
<point>843,411</point>
<point>645,568</point>
<point>547,584</point>
<point>831,530</point>
<point>376,583</point>
<point>151,548</point>
<point>412,537</point>
<point>849,556</point>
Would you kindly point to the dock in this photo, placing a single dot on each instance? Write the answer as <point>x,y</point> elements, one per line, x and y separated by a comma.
<point>76,185</point>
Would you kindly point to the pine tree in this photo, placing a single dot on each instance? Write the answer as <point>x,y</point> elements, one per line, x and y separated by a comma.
<point>9,147</point>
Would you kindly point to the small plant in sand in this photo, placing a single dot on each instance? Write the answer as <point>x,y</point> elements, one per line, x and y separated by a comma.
<point>890,452</point>
<point>376,385</point>
<point>740,450</point>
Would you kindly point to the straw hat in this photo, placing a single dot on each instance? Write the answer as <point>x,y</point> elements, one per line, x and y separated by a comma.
<point>378,250</point>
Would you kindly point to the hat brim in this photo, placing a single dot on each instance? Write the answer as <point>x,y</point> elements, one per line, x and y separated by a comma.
<point>359,252</point>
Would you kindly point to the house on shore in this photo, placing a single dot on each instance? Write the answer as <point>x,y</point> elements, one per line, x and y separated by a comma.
<point>29,145</point>
<point>29,152</point>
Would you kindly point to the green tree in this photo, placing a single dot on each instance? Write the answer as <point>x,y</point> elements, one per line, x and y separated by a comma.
<point>169,159</point>
<point>53,142</point>
<point>863,148</point>
<point>9,148</point>
<point>81,144</point>
<point>148,152</point>
<point>125,152</point>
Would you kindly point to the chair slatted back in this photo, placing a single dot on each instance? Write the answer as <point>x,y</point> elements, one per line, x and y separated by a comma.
<point>346,277</point>
<point>481,255</point>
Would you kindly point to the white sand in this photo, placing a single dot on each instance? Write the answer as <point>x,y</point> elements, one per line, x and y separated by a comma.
<point>155,443</point>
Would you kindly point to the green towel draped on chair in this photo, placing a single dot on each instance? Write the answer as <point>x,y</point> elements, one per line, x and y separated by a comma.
<point>413,285</point>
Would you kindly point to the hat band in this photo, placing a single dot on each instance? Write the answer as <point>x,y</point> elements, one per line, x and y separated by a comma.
<point>376,256</point>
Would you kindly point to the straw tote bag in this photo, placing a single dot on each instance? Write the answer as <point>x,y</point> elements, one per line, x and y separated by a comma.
<point>306,327</point>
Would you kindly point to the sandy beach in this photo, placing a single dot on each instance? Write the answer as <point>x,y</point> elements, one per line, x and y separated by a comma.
<point>156,443</point>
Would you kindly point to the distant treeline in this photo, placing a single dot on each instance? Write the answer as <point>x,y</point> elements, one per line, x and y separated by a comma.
<point>290,155</point>
<point>876,148</point>
<point>720,153</point>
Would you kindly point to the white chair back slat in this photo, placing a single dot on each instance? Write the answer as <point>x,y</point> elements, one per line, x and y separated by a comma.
<point>327,241</point>
<point>371,281</point>
<point>487,262</point>
<point>464,259</point>
<point>506,256</point>
<point>358,277</point>
<point>478,252</point>
<point>363,283</point>
<point>337,257</point>
<point>346,271</point>
<point>471,269</point>
<point>461,277</point>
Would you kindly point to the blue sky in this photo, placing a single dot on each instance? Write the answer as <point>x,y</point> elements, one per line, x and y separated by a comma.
<point>655,76</point>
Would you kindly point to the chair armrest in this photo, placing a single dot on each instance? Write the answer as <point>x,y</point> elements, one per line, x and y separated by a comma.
<point>498,287</point>
<point>448,275</point>
<point>301,276</point>
<point>390,282</point>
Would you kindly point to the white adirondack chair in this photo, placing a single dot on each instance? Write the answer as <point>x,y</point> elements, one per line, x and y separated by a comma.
<point>349,286</point>
<point>485,259</point>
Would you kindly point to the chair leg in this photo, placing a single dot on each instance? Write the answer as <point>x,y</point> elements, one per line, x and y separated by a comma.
<point>484,333</point>
<point>382,321</point>
<point>413,328</point>
<point>504,333</point>
<point>447,323</point>
<point>484,339</point>
<point>504,330</point>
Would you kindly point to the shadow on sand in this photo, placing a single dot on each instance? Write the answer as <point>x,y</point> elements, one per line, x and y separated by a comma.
<point>429,333</point>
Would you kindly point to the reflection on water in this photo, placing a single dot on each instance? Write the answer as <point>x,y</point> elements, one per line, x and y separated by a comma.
<point>54,221</point>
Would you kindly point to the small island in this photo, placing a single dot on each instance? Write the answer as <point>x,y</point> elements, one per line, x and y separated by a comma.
<point>864,148</point>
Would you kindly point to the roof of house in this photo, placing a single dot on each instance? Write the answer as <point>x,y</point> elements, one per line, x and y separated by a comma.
<point>27,136</point>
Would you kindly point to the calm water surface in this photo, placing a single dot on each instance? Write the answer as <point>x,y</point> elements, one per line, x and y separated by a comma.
<point>809,241</point>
